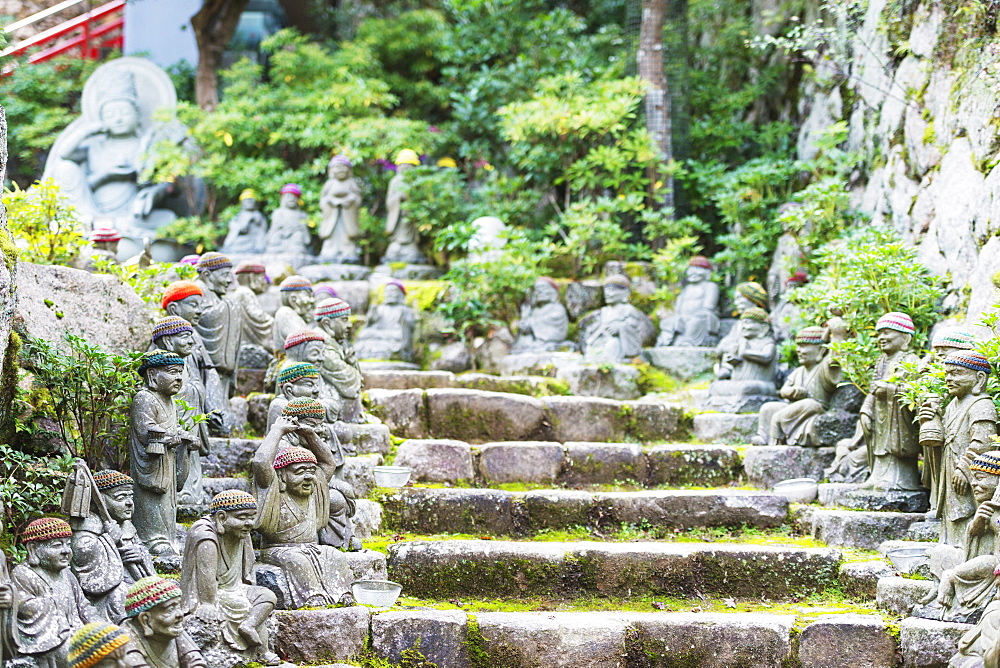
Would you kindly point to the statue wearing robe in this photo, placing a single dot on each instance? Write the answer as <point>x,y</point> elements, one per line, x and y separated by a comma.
<point>49,611</point>
<point>892,442</point>
<point>98,565</point>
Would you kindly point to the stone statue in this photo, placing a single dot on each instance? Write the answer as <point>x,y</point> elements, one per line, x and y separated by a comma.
<point>289,232</point>
<point>8,604</point>
<point>488,241</point>
<point>323,291</point>
<point>339,370</point>
<point>785,313</point>
<point>887,423</point>
<point>248,230</point>
<point>388,330</point>
<point>746,295</point>
<point>339,531</point>
<point>156,626</point>
<point>158,450</point>
<point>614,332</point>
<point>305,345</point>
<point>544,322</point>
<point>293,495</point>
<point>221,325</point>
<point>98,645</point>
<point>340,202</point>
<point>51,604</point>
<point>745,377</point>
<point>217,577</point>
<point>296,311</point>
<point>695,318</point>
<point>257,325</point>
<point>297,379</point>
<point>105,246</point>
<point>403,238</point>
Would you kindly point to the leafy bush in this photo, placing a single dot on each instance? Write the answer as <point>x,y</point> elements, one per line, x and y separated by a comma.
<point>30,487</point>
<point>44,225</point>
<point>147,282</point>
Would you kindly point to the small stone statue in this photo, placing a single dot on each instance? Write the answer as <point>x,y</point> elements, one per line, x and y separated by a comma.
<point>340,371</point>
<point>296,379</point>
<point>98,645</point>
<point>614,332</point>
<point>339,531</point>
<point>388,330</point>
<point>8,607</point>
<point>248,230</point>
<point>289,232</point>
<point>158,450</point>
<point>486,245</point>
<point>746,295</point>
<point>403,238</point>
<point>305,345</point>
<point>105,242</point>
<point>156,626</point>
<point>745,377</point>
<point>340,202</point>
<point>217,577</point>
<point>51,604</point>
<point>221,325</point>
<point>257,325</point>
<point>785,313</point>
<point>296,311</point>
<point>695,319</point>
<point>887,423</point>
<point>544,322</point>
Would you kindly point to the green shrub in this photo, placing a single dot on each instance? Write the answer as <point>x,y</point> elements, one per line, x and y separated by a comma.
<point>30,487</point>
<point>44,225</point>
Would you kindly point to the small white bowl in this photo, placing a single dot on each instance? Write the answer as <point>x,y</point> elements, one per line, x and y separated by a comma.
<point>798,490</point>
<point>380,593</point>
<point>907,559</point>
<point>392,476</point>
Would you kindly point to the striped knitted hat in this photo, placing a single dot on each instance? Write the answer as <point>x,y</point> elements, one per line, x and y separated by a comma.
<point>755,313</point>
<point>798,278</point>
<point>303,406</point>
<point>179,290</point>
<point>293,455</point>
<point>246,267</point>
<point>302,336</point>
<point>810,335</point>
<point>104,235</point>
<point>92,642</point>
<point>618,279</point>
<point>148,593</point>
<point>398,283</point>
<point>324,290</point>
<point>970,359</point>
<point>231,500</point>
<point>211,261</point>
<point>169,326</point>
<point>332,308</point>
<point>293,283</point>
<point>46,528</point>
<point>700,261</point>
<point>755,292</point>
<point>956,337</point>
<point>897,321</point>
<point>293,372</point>
<point>988,462</point>
<point>109,479</point>
<point>158,358</point>
<point>292,188</point>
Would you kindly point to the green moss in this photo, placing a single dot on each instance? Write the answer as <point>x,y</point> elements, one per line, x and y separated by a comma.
<point>9,251</point>
<point>930,137</point>
<point>653,380</point>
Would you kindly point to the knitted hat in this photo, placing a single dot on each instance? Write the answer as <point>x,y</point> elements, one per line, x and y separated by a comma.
<point>250,268</point>
<point>970,359</point>
<point>302,336</point>
<point>550,281</point>
<point>956,337</point>
<point>148,593</point>
<point>447,162</point>
<point>341,159</point>
<point>810,335</point>
<point>109,479</point>
<point>700,261</point>
<point>988,462</point>
<point>293,455</point>
<point>104,235</point>
<point>231,500</point>
<point>159,358</point>
<point>618,279</point>
<point>46,528</point>
<point>292,188</point>
<point>798,278</point>
<point>211,261</point>
<point>755,313</point>
<point>190,259</point>
<point>398,283</point>
<point>332,308</point>
<point>293,283</point>
<point>897,321</point>
<point>179,290</point>
<point>306,406</point>
<point>755,292</point>
<point>293,372</point>
<point>169,326</point>
<point>249,193</point>
<point>93,642</point>
<point>324,290</point>
<point>407,157</point>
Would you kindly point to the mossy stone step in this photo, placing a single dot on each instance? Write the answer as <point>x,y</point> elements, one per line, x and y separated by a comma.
<point>854,528</point>
<point>485,568</point>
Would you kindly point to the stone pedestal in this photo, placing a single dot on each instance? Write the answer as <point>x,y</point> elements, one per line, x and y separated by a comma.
<point>739,396</point>
<point>682,362</point>
<point>410,272</point>
<point>539,364</point>
<point>851,496</point>
<point>364,565</point>
<point>335,272</point>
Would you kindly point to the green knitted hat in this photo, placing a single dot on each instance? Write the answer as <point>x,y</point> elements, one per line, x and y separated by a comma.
<point>148,593</point>
<point>755,292</point>
<point>293,372</point>
<point>304,406</point>
<point>755,313</point>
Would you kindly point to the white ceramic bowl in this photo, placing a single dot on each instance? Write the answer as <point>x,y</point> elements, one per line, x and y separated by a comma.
<point>907,559</point>
<point>392,476</point>
<point>380,593</point>
<point>798,490</point>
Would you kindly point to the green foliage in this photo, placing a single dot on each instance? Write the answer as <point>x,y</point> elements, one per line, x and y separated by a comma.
<point>436,197</point>
<point>196,231</point>
<point>920,381</point>
<point>30,487</point>
<point>591,232</point>
<point>44,226</point>
<point>147,282</point>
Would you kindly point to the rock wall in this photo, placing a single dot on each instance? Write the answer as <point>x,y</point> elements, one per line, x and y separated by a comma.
<point>8,262</point>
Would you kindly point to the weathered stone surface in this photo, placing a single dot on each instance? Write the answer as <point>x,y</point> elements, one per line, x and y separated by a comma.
<point>684,464</point>
<point>590,463</point>
<point>364,438</point>
<point>558,639</point>
<point>360,474</point>
<point>367,518</point>
<point>440,636</point>
<point>899,595</point>
<point>8,269</point>
<point>929,644</point>
<point>215,485</point>
<point>558,509</point>
<point>325,635</point>
<point>540,364</point>
<point>436,460</point>
<point>229,456</point>
<point>586,419</point>
<point>650,420</point>
<point>476,416</point>
<point>407,380</point>
<point>834,641</point>
<point>850,496</point>
<point>682,362</point>
<point>454,357</point>
<point>724,427</point>
<point>615,381</point>
<point>856,528</point>
<point>257,411</point>
<point>859,579</point>
<point>692,508</point>
<point>924,530</point>
<point>534,386</point>
<point>480,511</point>
<point>769,464</point>
<point>403,411</point>
<point>582,297</point>
<point>520,461</point>
<point>329,272</point>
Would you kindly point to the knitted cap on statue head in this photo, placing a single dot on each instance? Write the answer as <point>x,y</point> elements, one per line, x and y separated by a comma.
<point>332,308</point>
<point>179,290</point>
<point>407,157</point>
<point>754,292</point>
<point>811,336</point>
<point>170,326</point>
<point>92,643</point>
<point>954,337</point>
<point>970,359</point>
<point>897,321</point>
<point>148,593</point>
<point>105,235</point>
<point>46,528</point>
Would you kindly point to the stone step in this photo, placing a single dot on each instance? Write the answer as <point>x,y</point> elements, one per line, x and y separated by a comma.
<point>407,380</point>
<point>725,427</point>
<point>496,512</point>
<point>766,465</point>
<point>572,463</point>
<point>441,569</point>
<point>853,528</point>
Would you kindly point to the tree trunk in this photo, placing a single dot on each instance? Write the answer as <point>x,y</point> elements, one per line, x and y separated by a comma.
<point>649,63</point>
<point>214,26</point>
<point>678,74</point>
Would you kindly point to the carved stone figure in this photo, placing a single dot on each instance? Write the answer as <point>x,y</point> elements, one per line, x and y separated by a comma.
<point>403,237</point>
<point>51,604</point>
<point>8,605</point>
<point>388,330</point>
<point>98,645</point>
<point>289,232</point>
<point>339,530</point>
<point>105,246</point>
<point>340,202</point>
<point>695,319</point>
<point>745,377</point>
<point>221,325</point>
<point>296,311</point>
<point>544,322</point>
<point>614,332</point>
<point>156,626</point>
<point>257,325</point>
<point>305,345</point>
<point>298,379</point>
<point>248,230</point>
<point>746,295</point>
<point>887,423</point>
<point>784,313</point>
<point>488,241</point>
<point>339,370</point>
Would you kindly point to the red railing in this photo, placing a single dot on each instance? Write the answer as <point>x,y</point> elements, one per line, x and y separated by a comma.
<point>89,34</point>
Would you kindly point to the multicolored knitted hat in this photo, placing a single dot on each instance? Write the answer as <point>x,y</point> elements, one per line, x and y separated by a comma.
<point>293,455</point>
<point>93,642</point>
<point>332,308</point>
<point>325,290</point>
<point>302,336</point>
<point>291,188</point>
<point>232,500</point>
<point>619,280</point>
<point>811,335</point>
<point>398,283</point>
<point>293,283</point>
<point>250,268</point>
<point>293,372</point>
<point>755,292</point>
<point>148,593</point>
<point>341,159</point>
<point>179,290</point>
<point>211,261</point>
<point>897,321</point>
<point>956,337</point>
<point>755,313</point>
<point>249,193</point>
<point>988,462</point>
<point>46,528</point>
<point>108,479</point>
<point>303,406</point>
<point>700,261</point>
<point>159,358</point>
<point>169,326</point>
<point>970,359</point>
<point>104,235</point>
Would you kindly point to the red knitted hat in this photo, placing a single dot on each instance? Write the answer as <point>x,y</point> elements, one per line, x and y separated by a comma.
<point>293,455</point>
<point>302,336</point>
<point>46,528</point>
<point>179,290</point>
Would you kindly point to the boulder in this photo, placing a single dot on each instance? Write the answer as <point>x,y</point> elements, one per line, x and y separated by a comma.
<point>582,297</point>
<point>477,417</point>
<point>519,461</point>
<point>367,519</point>
<point>898,595</point>
<point>599,463</point>
<point>440,635</point>
<point>454,357</point>
<point>321,636</point>
<point>436,460</point>
<point>682,362</point>
<point>856,528</point>
<point>364,439</point>
<point>927,643</point>
<point>831,639</point>
<point>257,406</point>
<point>359,472</point>
<point>229,456</point>
<point>683,464</point>
<point>403,411</point>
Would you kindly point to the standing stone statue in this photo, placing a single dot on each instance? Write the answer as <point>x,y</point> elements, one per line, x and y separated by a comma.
<point>614,332</point>
<point>98,645</point>
<point>158,450</point>
<point>887,423</point>
<point>257,325</point>
<point>403,237</point>
<point>289,232</point>
<point>296,311</point>
<point>221,325</point>
<point>544,322</point>
<point>217,577</point>
<point>340,370</point>
<point>248,230</point>
<point>695,319</point>
<point>50,603</point>
<point>8,604</point>
<point>340,202</point>
<point>745,377</point>
<point>388,330</point>
<point>156,626</point>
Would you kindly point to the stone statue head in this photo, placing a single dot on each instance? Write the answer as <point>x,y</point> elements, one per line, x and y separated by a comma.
<point>894,331</point>
<point>749,294</point>
<point>216,271</point>
<point>297,294</point>
<point>119,110</point>
<point>754,323</point>
<point>965,373</point>
<point>406,160</point>
<point>339,167</point>
<point>544,291</point>
<point>118,494</point>
<point>48,542</point>
<point>333,317</point>
<point>305,346</point>
<point>393,292</point>
<point>252,275</point>
<point>155,605</point>
<point>299,379</point>
<point>174,334</point>
<point>97,645</point>
<point>809,348</point>
<point>950,341</point>
<point>617,289</point>
<point>290,194</point>
<point>184,299</point>
<point>985,471</point>
<point>248,200</point>
<point>163,372</point>
<point>233,512</point>
<point>296,467</point>
<point>106,239</point>
<point>699,269</point>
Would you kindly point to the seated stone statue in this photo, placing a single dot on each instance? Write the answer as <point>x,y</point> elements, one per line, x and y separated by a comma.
<point>98,645</point>
<point>614,332</point>
<point>257,325</point>
<point>104,242</point>
<point>51,604</point>
<point>544,322</point>
<point>339,370</point>
<point>340,202</point>
<point>289,232</point>
<point>305,345</point>
<point>221,325</point>
<point>339,531</point>
<point>248,230</point>
<point>695,318</point>
<point>217,578</point>
<point>404,240</point>
<point>296,311</point>
<point>388,330</point>
<point>745,378</point>
<point>156,626</point>
<point>746,295</point>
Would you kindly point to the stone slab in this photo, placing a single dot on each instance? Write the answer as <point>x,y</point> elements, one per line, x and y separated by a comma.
<point>859,579</point>
<point>407,380</point>
<point>440,635</point>
<point>850,496</point>
<point>409,272</point>
<point>685,464</point>
<point>855,528</point>
<point>478,417</point>
<point>597,463</point>
<point>229,456</point>
<point>403,411</point>
<point>386,365</point>
<point>589,419</point>
<point>614,381</point>
<point>359,472</point>
<point>898,595</point>
<point>767,465</point>
<point>542,364</point>
<point>436,460</point>
<point>596,640</point>
<point>519,461</point>
<point>656,421</point>
<point>724,427</point>
<point>839,641</point>
<point>365,439</point>
<point>682,362</point>
<point>321,636</point>
<point>367,519</point>
<point>925,643</point>
<point>318,273</point>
